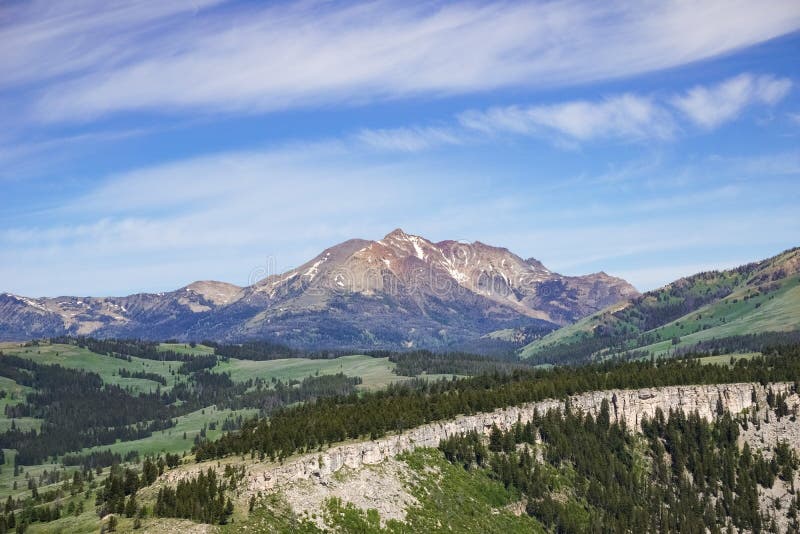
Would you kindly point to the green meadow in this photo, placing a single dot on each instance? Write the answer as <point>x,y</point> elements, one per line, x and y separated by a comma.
<point>375,372</point>
<point>107,367</point>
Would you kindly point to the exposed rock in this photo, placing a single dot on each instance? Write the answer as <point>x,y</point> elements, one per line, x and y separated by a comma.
<point>377,486</point>
<point>400,291</point>
<point>352,470</point>
<point>629,407</point>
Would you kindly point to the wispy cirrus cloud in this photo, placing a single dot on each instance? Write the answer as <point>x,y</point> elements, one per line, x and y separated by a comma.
<point>709,107</point>
<point>625,116</point>
<point>93,58</point>
<point>44,40</point>
<point>220,215</point>
<point>409,139</point>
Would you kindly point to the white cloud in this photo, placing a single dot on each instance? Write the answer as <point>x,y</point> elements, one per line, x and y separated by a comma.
<point>44,40</point>
<point>411,139</point>
<point>220,216</point>
<point>228,212</point>
<point>712,106</point>
<point>626,117</point>
<point>98,58</point>
<point>620,117</point>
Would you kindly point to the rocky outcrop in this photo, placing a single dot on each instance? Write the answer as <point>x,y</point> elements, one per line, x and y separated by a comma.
<point>628,406</point>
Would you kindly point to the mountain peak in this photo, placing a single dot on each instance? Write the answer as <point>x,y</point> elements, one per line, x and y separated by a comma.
<point>219,293</point>
<point>397,233</point>
<point>387,293</point>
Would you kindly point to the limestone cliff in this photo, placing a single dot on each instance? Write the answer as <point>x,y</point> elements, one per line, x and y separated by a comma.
<point>628,406</point>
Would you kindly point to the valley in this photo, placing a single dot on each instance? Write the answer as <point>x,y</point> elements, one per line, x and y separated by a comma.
<point>387,267</point>
<point>310,483</point>
<point>261,435</point>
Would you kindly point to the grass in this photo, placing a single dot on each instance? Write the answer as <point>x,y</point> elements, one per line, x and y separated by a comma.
<point>725,359</point>
<point>185,348</point>
<point>85,522</point>
<point>744,311</point>
<point>455,500</point>
<point>375,372</point>
<point>778,311</point>
<point>107,367</point>
<point>22,423</point>
<point>734,315</point>
<point>565,334</point>
<point>7,475</point>
<point>171,440</point>
<point>15,394</point>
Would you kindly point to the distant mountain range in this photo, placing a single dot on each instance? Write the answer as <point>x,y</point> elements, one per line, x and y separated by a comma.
<point>739,310</point>
<point>400,291</point>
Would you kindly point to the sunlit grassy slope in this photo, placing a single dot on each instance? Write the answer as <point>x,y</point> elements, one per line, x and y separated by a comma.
<point>752,299</point>
<point>107,367</point>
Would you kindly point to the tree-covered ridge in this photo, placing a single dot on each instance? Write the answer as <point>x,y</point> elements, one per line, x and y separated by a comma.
<point>115,494</point>
<point>408,362</point>
<point>415,363</point>
<point>78,410</point>
<point>399,407</point>
<point>714,301</point>
<point>578,473</point>
<point>124,348</point>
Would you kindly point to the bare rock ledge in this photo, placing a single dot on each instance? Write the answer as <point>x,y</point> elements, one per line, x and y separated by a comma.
<point>627,405</point>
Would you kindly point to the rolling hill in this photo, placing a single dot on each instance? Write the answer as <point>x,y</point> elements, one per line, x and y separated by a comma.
<point>720,311</point>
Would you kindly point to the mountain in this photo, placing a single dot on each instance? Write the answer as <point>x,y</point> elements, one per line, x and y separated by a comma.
<point>744,308</point>
<point>135,315</point>
<point>400,291</point>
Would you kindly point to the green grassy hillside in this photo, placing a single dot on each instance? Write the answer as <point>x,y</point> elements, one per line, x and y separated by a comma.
<point>74,357</point>
<point>756,298</point>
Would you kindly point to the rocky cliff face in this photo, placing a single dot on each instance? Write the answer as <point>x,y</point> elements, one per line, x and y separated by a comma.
<point>400,291</point>
<point>628,406</point>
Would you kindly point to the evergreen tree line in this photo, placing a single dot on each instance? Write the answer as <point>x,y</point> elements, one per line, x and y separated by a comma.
<point>124,348</point>
<point>77,410</point>
<point>399,407</point>
<point>99,459</point>
<point>124,373</point>
<point>206,388</point>
<point>201,498</point>
<point>198,363</point>
<point>17,514</point>
<point>593,475</point>
<point>259,350</point>
<point>741,343</point>
<point>415,363</point>
<point>151,350</point>
<point>411,363</point>
<point>118,492</point>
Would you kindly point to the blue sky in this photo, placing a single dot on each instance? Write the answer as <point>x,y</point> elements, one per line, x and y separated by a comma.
<point>151,144</point>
